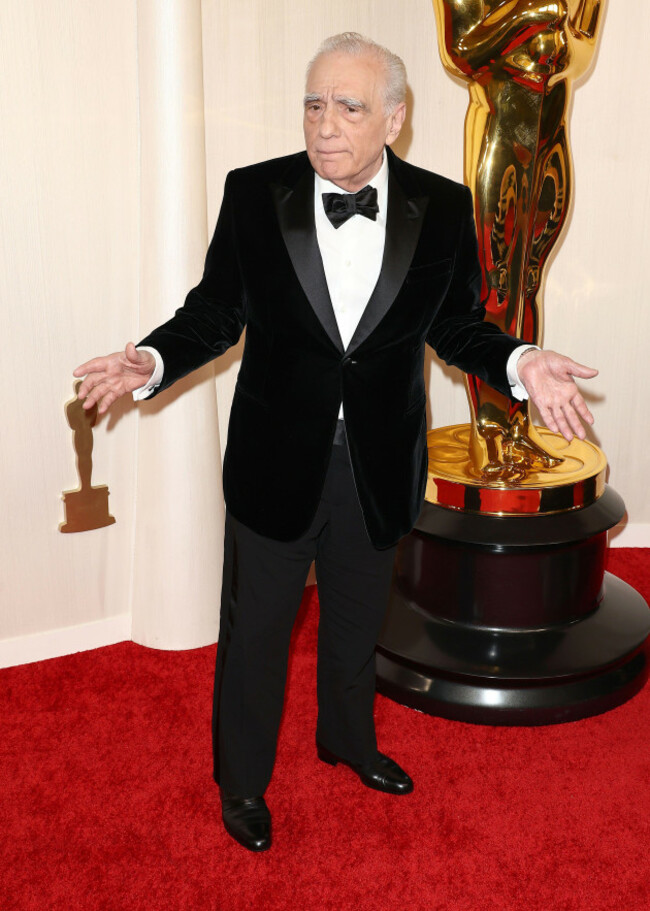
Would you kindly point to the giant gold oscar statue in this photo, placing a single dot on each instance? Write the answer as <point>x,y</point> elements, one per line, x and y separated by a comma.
<point>520,60</point>
<point>501,611</point>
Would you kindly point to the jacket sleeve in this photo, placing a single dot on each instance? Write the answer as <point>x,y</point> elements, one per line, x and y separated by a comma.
<point>459,333</point>
<point>214,314</point>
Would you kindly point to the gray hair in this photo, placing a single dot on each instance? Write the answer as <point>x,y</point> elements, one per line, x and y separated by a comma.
<point>356,45</point>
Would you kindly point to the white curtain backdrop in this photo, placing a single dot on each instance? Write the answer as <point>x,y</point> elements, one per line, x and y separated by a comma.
<point>119,123</point>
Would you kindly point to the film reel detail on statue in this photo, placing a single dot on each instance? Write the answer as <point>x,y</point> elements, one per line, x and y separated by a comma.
<point>501,611</point>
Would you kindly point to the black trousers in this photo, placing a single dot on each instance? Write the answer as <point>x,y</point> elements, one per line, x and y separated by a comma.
<point>263,584</point>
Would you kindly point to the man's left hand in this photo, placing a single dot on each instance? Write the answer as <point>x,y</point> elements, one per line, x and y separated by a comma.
<point>549,380</point>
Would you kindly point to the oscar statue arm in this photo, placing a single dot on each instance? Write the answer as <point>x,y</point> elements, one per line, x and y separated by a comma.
<point>473,39</point>
<point>588,19</point>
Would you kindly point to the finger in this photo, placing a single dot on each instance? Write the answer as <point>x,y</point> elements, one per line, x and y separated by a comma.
<point>142,361</point>
<point>574,422</point>
<point>547,416</point>
<point>106,402</point>
<point>89,401</point>
<point>95,394</point>
<point>88,385</point>
<point>581,407</point>
<point>95,366</point>
<point>132,353</point>
<point>563,425</point>
<point>581,370</point>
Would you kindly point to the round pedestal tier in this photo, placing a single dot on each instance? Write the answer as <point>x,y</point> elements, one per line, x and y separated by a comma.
<point>512,620</point>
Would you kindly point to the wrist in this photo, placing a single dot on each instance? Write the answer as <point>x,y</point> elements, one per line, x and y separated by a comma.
<point>527,355</point>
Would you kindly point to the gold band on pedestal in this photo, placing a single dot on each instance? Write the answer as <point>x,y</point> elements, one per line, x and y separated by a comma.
<point>454,482</point>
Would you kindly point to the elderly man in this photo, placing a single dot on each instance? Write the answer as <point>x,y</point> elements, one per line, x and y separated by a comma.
<point>342,263</point>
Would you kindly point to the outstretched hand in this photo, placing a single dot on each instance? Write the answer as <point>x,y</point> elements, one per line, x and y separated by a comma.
<point>107,378</point>
<point>548,379</point>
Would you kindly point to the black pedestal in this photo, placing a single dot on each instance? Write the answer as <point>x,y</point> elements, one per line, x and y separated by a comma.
<point>512,620</point>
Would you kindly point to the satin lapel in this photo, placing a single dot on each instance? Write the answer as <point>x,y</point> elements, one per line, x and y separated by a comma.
<point>295,209</point>
<point>403,226</point>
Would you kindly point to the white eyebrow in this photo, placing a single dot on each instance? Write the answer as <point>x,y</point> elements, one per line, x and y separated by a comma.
<point>311,97</point>
<point>351,102</point>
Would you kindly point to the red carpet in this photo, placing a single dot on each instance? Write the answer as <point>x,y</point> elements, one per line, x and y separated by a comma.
<point>107,800</point>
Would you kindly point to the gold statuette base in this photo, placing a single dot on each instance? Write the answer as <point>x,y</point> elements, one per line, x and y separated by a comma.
<point>453,482</point>
<point>86,509</point>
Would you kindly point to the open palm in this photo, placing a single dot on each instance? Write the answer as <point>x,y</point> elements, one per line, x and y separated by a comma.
<point>107,378</point>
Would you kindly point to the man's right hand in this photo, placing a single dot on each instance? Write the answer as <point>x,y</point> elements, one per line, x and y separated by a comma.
<point>108,378</point>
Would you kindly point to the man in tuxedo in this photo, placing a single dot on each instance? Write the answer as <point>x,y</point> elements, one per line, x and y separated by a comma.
<point>342,262</point>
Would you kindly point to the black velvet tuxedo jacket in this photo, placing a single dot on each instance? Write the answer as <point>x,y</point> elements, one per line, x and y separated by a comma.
<point>264,271</point>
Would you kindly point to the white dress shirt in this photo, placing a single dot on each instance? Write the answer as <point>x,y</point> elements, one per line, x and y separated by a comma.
<point>352,255</point>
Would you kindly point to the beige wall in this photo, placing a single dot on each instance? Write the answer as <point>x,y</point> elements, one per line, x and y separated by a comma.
<point>71,258</point>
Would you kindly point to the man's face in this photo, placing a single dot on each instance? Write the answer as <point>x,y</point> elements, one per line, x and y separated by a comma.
<point>346,127</point>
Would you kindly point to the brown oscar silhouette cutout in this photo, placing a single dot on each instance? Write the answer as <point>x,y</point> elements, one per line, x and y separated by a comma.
<point>87,506</point>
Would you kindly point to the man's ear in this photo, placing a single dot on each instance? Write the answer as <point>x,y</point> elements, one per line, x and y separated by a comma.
<point>395,123</point>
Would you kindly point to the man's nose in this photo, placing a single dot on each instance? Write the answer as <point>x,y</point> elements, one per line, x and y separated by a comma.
<point>328,124</point>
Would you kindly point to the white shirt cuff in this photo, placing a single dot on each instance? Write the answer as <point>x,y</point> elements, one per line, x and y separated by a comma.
<point>154,380</point>
<point>517,388</point>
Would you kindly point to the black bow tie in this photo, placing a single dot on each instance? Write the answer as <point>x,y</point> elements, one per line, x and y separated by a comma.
<point>341,206</point>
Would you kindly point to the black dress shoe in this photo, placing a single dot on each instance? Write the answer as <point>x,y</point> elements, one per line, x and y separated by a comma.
<point>380,773</point>
<point>248,820</point>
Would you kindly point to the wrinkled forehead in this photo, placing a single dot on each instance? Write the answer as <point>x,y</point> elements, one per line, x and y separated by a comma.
<point>350,76</point>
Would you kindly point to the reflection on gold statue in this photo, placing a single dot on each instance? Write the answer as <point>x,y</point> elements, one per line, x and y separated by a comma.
<point>519,58</point>
<point>86,507</point>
